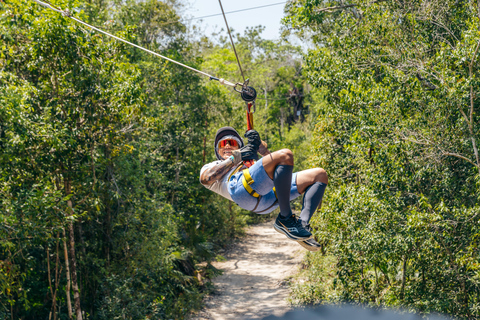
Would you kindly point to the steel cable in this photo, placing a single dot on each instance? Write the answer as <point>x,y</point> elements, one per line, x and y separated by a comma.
<point>231,40</point>
<point>69,15</point>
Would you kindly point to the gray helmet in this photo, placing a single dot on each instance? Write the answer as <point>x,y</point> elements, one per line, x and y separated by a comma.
<point>226,133</point>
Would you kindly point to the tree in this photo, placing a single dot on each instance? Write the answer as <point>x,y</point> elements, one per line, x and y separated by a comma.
<point>76,168</point>
<point>398,136</point>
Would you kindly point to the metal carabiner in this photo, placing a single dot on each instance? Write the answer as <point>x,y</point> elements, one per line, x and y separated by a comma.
<point>251,105</point>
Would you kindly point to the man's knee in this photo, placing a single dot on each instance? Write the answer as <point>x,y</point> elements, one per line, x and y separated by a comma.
<point>321,175</point>
<point>285,156</point>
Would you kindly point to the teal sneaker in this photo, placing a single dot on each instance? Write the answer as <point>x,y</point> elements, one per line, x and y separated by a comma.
<point>292,228</point>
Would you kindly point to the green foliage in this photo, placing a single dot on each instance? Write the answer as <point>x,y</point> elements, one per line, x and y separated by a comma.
<point>398,134</point>
<point>273,67</point>
<point>96,137</point>
<point>102,145</point>
<point>314,283</point>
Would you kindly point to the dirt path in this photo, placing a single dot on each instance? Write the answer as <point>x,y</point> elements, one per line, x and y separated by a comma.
<point>253,281</point>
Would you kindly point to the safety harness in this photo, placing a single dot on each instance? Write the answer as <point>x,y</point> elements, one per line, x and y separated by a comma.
<point>247,180</point>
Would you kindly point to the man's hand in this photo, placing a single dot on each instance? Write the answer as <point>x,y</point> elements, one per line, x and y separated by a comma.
<point>237,156</point>
<point>249,152</point>
<point>253,138</point>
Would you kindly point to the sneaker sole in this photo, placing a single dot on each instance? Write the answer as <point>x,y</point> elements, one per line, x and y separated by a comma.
<point>309,247</point>
<point>282,230</point>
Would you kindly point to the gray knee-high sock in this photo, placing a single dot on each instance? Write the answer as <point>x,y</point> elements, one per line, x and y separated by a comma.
<point>311,199</point>
<point>282,179</point>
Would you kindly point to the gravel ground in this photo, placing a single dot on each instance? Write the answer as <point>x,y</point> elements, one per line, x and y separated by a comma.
<point>254,283</point>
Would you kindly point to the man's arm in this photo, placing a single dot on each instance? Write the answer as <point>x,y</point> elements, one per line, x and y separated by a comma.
<point>263,149</point>
<point>215,173</point>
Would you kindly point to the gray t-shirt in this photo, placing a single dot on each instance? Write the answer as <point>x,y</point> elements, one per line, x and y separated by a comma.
<point>220,186</point>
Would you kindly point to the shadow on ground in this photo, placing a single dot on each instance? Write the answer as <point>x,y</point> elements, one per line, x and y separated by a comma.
<point>349,312</point>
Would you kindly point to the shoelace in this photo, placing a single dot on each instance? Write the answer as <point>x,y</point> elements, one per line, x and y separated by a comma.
<point>298,223</point>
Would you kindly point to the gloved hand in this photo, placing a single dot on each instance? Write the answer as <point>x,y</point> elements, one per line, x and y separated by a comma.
<point>248,152</point>
<point>253,138</point>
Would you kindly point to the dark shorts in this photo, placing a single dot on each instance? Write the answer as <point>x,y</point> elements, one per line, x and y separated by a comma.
<point>263,185</point>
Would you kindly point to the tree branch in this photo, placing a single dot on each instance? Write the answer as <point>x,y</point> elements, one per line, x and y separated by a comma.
<point>444,27</point>
<point>470,121</point>
<point>461,157</point>
<point>473,58</point>
<point>331,9</point>
<point>464,115</point>
<point>478,9</point>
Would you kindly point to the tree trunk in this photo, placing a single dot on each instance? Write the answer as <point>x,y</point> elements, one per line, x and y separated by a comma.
<point>281,124</point>
<point>470,119</point>
<point>265,137</point>
<point>205,146</point>
<point>73,260</point>
<point>76,293</point>
<point>232,218</point>
<point>67,271</point>
<point>177,173</point>
<point>107,224</point>
<point>65,254</point>
<point>82,242</point>
<point>50,285</point>
<point>205,136</point>
<point>57,276</point>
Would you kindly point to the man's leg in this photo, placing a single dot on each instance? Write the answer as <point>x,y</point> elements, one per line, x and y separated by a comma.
<point>279,167</point>
<point>312,182</point>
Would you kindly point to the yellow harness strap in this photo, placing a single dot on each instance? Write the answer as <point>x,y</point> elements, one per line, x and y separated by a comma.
<point>247,181</point>
<point>235,171</point>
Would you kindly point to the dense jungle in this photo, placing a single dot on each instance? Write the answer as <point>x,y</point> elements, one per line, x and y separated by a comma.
<point>102,215</point>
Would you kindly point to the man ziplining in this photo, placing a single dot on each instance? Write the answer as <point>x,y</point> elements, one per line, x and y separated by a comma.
<point>266,185</point>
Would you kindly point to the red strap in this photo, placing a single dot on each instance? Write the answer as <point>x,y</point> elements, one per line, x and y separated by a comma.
<point>249,163</point>
<point>249,117</point>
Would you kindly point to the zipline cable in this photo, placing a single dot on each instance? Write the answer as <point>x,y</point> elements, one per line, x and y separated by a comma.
<point>248,93</point>
<point>231,40</point>
<point>219,14</point>
<point>240,10</point>
<point>66,13</point>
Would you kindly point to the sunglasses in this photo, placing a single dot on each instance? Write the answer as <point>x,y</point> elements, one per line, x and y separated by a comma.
<point>231,142</point>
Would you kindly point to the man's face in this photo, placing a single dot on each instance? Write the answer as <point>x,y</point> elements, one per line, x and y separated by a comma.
<point>226,147</point>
